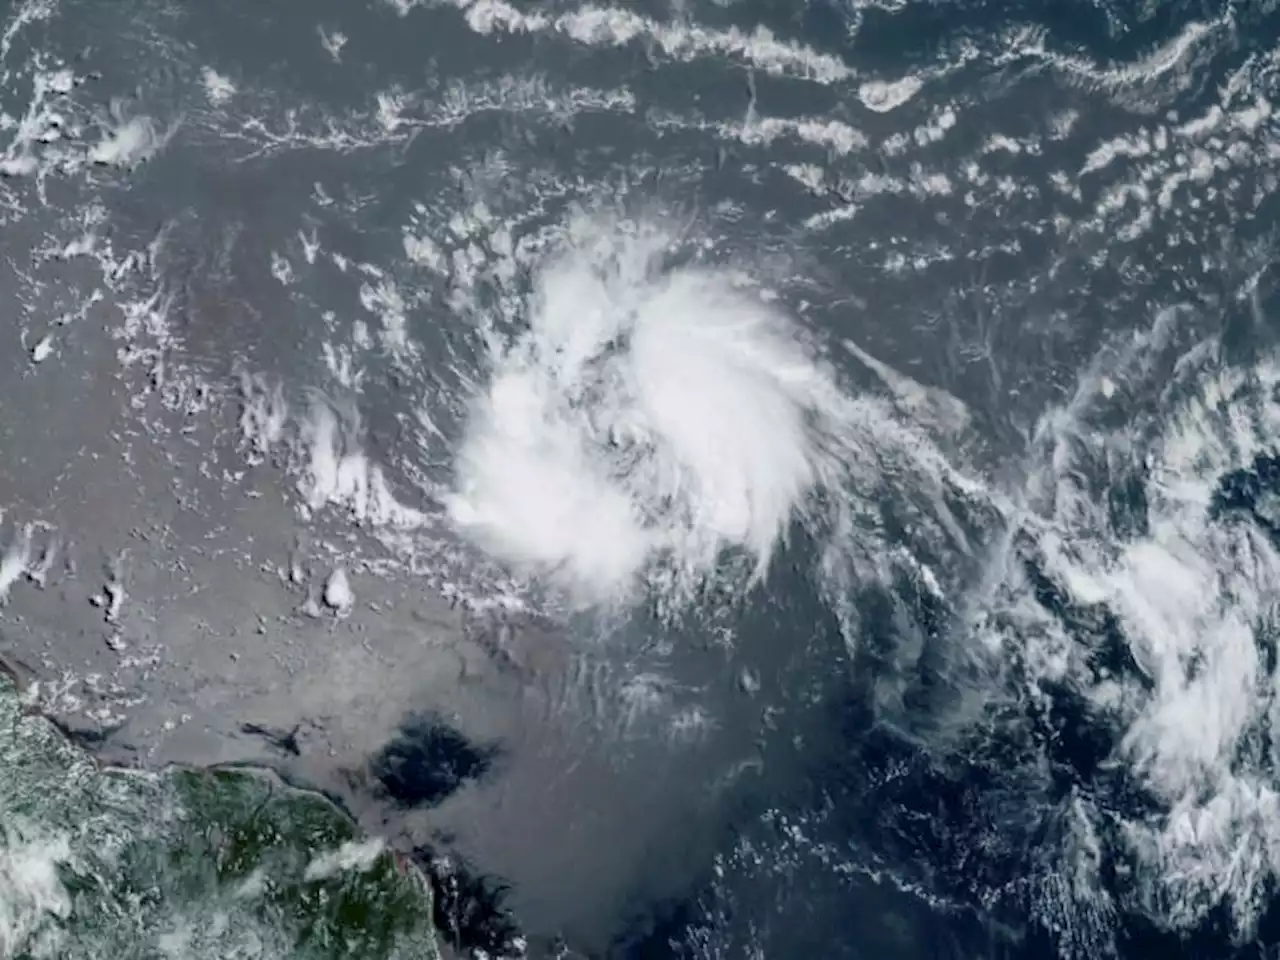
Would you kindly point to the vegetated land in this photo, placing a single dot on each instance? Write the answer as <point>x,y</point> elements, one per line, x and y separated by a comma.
<point>98,862</point>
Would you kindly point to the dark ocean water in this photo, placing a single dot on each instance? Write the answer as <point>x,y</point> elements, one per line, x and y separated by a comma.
<point>1033,228</point>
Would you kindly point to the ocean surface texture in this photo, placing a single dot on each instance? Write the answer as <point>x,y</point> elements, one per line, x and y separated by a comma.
<point>586,479</point>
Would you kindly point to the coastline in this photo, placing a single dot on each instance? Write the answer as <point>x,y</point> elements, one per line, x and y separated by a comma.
<point>405,865</point>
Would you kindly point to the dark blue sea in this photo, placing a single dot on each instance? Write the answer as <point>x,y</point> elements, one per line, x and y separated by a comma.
<point>685,479</point>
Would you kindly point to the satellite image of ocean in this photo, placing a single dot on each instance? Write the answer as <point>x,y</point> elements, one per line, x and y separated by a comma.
<point>639,479</point>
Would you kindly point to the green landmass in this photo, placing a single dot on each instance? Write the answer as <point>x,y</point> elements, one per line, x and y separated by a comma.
<point>105,864</point>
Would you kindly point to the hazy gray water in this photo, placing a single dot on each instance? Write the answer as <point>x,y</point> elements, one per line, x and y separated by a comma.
<point>341,203</point>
